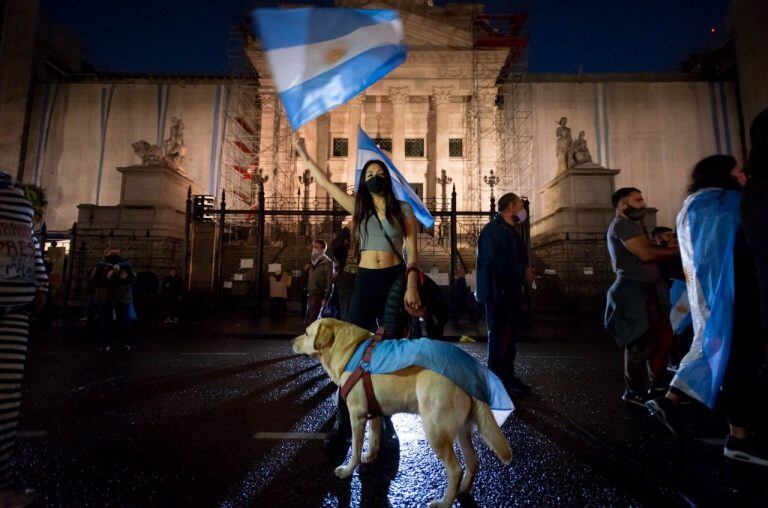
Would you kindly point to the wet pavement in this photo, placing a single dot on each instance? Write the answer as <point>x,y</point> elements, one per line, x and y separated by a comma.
<point>222,413</point>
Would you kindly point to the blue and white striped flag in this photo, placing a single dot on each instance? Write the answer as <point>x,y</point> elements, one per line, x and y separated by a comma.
<point>680,314</point>
<point>322,57</point>
<point>367,150</point>
<point>706,228</point>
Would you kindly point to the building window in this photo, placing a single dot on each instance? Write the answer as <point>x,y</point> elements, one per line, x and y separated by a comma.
<point>414,147</point>
<point>456,147</point>
<point>384,143</point>
<point>340,147</point>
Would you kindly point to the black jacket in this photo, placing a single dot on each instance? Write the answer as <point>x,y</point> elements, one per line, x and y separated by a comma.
<point>501,262</point>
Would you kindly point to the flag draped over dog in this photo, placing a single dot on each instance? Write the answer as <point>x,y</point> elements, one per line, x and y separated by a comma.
<point>322,57</point>
<point>706,228</point>
<point>367,150</point>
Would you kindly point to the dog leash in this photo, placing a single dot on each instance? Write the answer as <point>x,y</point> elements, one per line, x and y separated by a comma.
<point>362,371</point>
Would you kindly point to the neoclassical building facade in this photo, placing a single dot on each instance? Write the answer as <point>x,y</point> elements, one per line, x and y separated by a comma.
<point>440,110</point>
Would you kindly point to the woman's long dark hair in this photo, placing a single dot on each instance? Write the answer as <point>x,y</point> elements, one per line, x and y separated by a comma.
<point>713,171</point>
<point>364,206</point>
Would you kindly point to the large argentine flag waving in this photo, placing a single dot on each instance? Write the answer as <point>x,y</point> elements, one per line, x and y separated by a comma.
<point>367,150</point>
<point>322,57</point>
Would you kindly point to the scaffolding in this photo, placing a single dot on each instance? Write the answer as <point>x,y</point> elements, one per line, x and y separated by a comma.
<point>500,115</point>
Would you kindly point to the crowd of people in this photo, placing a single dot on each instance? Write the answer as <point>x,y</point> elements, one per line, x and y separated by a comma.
<point>709,277</point>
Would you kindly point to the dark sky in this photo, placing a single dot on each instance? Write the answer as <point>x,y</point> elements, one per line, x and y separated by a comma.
<point>191,37</point>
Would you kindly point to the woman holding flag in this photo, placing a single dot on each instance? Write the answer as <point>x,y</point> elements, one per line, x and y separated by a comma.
<point>381,227</point>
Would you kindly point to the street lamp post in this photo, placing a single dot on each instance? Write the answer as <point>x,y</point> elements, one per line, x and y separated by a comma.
<point>443,182</point>
<point>491,181</point>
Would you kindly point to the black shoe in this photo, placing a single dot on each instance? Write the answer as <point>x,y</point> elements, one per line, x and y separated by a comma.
<point>664,411</point>
<point>746,450</point>
<point>341,433</point>
<point>633,397</point>
<point>515,386</point>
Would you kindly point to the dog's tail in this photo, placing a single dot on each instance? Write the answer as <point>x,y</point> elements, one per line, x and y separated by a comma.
<point>489,430</point>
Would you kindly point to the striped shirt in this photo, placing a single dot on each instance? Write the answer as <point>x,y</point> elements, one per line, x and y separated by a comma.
<point>22,271</point>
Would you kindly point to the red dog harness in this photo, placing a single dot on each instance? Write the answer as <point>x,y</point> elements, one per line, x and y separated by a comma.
<point>374,409</point>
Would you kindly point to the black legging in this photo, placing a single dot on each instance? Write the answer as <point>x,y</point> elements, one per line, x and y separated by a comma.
<point>743,397</point>
<point>379,294</point>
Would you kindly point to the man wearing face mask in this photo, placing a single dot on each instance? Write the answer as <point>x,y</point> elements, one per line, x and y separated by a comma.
<point>637,309</point>
<point>502,269</point>
<point>320,284</point>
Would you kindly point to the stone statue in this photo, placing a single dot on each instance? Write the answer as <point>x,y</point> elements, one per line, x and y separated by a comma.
<point>151,155</point>
<point>564,148</point>
<point>175,149</point>
<point>175,154</point>
<point>581,153</point>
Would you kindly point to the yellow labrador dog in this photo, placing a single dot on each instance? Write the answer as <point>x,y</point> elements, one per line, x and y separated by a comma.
<point>447,412</point>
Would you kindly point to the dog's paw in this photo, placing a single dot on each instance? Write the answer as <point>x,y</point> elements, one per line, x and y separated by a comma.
<point>369,457</point>
<point>343,472</point>
<point>438,504</point>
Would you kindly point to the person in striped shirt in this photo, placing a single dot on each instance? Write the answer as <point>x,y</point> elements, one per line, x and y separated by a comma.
<point>23,285</point>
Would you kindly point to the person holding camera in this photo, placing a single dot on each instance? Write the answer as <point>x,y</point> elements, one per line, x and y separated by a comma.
<point>113,280</point>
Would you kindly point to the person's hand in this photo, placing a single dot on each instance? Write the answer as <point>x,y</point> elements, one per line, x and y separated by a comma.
<point>412,300</point>
<point>529,274</point>
<point>39,302</point>
<point>323,302</point>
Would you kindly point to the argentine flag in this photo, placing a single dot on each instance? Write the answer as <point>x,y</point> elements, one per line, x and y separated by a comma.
<point>322,57</point>
<point>706,228</point>
<point>367,150</point>
<point>680,315</point>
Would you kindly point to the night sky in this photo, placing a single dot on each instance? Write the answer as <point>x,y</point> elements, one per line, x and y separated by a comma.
<point>592,36</point>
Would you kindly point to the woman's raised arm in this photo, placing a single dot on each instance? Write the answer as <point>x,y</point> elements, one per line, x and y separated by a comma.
<point>345,200</point>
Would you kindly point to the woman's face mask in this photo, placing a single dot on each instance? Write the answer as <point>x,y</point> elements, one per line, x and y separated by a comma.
<point>376,184</point>
<point>521,215</point>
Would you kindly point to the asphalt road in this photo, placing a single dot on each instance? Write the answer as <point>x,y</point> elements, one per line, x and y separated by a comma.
<point>190,419</point>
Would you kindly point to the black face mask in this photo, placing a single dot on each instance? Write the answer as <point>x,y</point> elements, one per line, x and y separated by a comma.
<point>113,259</point>
<point>633,213</point>
<point>376,184</point>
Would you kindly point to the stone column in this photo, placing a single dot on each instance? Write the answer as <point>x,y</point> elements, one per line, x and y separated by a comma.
<point>354,121</point>
<point>441,97</point>
<point>398,96</point>
<point>323,149</point>
<point>267,139</point>
<point>309,133</point>
<point>487,140</point>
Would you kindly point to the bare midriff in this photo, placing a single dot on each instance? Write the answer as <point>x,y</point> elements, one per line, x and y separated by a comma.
<point>376,259</point>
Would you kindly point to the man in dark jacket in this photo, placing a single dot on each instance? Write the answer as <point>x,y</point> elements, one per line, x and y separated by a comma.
<point>502,269</point>
<point>320,282</point>
<point>345,277</point>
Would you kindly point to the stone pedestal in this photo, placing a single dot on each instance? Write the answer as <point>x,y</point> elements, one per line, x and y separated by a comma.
<point>147,225</point>
<point>568,241</point>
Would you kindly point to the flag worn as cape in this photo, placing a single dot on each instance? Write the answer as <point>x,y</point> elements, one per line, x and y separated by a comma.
<point>706,228</point>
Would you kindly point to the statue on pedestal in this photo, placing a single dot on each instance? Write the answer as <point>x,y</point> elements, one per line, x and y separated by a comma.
<point>175,149</point>
<point>175,153</point>
<point>564,147</point>
<point>581,153</point>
